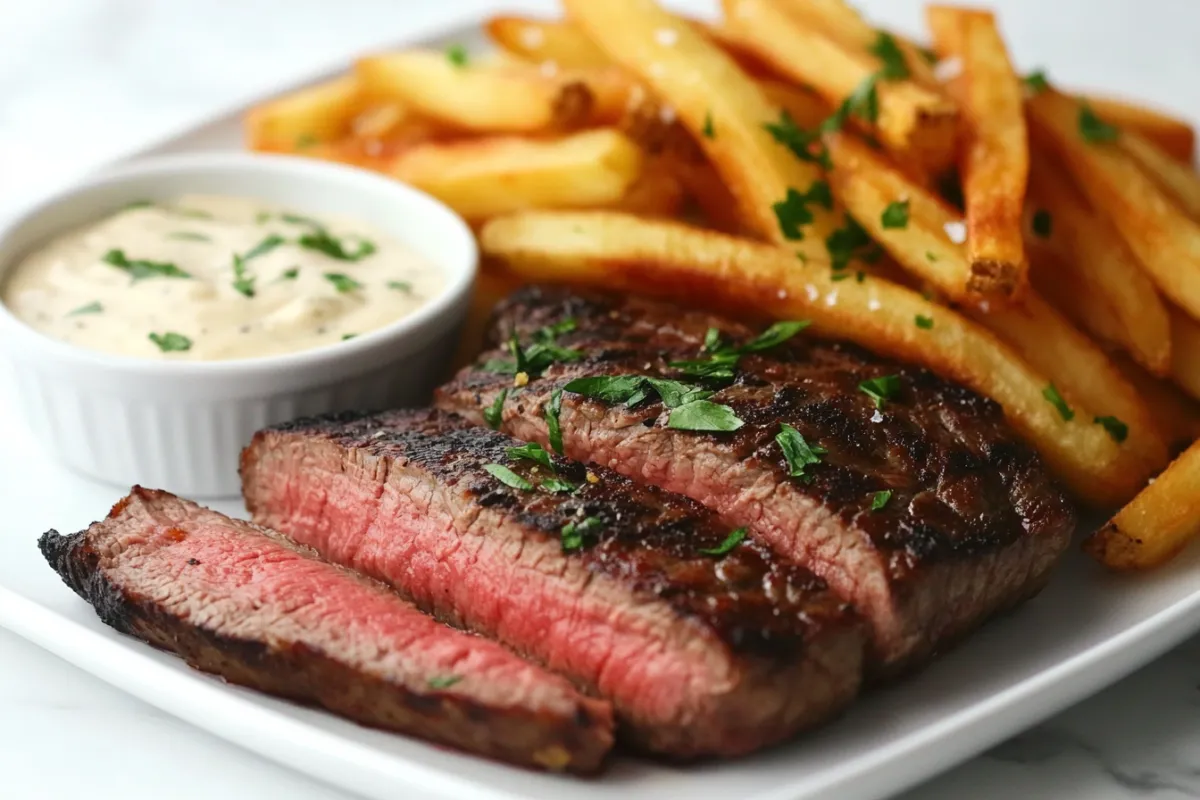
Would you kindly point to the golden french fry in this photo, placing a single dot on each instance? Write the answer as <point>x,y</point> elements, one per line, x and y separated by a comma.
<point>917,124</point>
<point>622,252</point>
<point>1173,135</point>
<point>1158,523</point>
<point>1185,352</point>
<point>1177,414</point>
<point>496,98</point>
<point>995,160</point>
<point>541,41</point>
<point>928,245</point>
<point>807,109</point>
<point>1165,240</point>
<point>1180,180</point>
<point>722,107</point>
<point>484,177</point>
<point>306,117</point>
<point>1094,278</point>
<point>657,193</point>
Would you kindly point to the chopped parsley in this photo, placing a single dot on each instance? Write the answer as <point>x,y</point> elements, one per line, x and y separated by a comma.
<point>289,274</point>
<point>880,499</point>
<point>348,336</point>
<point>846,242</point>
<point>139,269</point>
<point>793,211</point>
<point>708,130</point>
<point>242,282</point>
<point>774,336</point>
<point>456,54</point>
<point>553,428</point>
<point>1114,427</point>
<point>551,332</point>
<point>924,322</point>
<point>189,236</point>
<point>574,533</point>
<point>93,307</point>
<point>863,103</point>
<point>532,451</point>
<point>171,342</point>
<point>610,389</point>
<point>881,389</point>
<point>1036,81</point>
<point>400,286</point>
<point>797,451</point>
<point>265,246</point>
<point>731,541</point>
<point>891,56</point>
<point>703,415</point>
<point>1042,223</point>
<point>928,54</point>
<point>712,340</point>
<point>1055,399</point>
<point>508,477</point>
<point>930,256</point>
<point>558,486</point>
<point>532,361</point>
<point>492,415</point>
<point>676,393</point>
<point>718,366</point>
<point>305,140</point>
<point>320,240</point>
<point>343,283</point>
<point>137,204</point>
<point>1093,129</point>
<point>895,215</point>
<point>443,681</point>
<point>805,145</point>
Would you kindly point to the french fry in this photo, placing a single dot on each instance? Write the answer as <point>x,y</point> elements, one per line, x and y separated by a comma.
<point>1180,180</point>
<point>1093,277</point>
<point>1079,369</point>
<point>808,109</point>
<point>487,176</point>
<point>917,124</point>
<point>553,41</point>
<point>658,192</point>
<point>496,98</point>
<point>1165,240</point>
<point>995,160</point>
<point>1185,352</point>
<point>1157,524</point>
<point>1174,136</point>
<point>622,252</point>
<point>1177,414</point>
<point>722,107</point>
<point>839,19</point>
<point>308,116</point>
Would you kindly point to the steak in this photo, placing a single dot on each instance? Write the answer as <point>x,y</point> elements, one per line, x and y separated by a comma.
<point>924,510</point>
<point>258,610</point>
<point>706,644</point>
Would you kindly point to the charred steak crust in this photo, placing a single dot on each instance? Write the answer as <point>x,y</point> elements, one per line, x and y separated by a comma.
<point>557,730</point>
<point>794,645</point>
<point>966,495</point>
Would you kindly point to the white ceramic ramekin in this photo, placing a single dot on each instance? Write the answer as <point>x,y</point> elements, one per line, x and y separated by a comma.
<point>179,425</point>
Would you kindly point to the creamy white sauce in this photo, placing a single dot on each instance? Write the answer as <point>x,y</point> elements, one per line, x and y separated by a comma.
<point>289,297</point>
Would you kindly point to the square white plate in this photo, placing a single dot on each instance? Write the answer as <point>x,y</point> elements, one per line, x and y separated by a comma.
<point>1084,632</point>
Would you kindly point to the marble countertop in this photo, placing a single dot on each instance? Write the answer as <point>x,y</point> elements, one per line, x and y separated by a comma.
<point>82,81</point>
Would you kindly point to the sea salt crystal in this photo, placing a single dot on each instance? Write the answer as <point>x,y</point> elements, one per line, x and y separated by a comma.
<point>811,292</point>
<point>948,69</point>
<point>666,114</point>
<point>831,298</point>
<point>956,231</point>
<point>877,416</point>
<point>782,294</point>
<point>657,70</point>
<point>667,37</point>
<point>373,147</point>
<point>532,37</point>
<point>873,304</point>
<point>548,68</point>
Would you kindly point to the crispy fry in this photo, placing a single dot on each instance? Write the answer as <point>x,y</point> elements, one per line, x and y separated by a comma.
<point>484,177</point>
<point>497,98</point>
<point>618,251</point>
<point>1092,276</point>
<point>1177,414</point>
<point>1158,523</point>
<point>1180,180</point>
<point>1079,369</point>
<point>808,109</point>
<point>555,41</point>
<point>657,193</point>
<point>918,125</point>
<point>308,116</point>
<point>1165,240</point>
<point>1185,352</point>
<point>995,160</point>
<point>720,105</point>
<point>1175,136</point>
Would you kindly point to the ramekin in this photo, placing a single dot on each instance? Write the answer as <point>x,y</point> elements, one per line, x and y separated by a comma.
<point>180,425</point>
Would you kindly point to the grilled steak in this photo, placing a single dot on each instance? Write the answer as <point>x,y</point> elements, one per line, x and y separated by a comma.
<point>972,523</point>
<point>624,588</point>
<point>256,609</point>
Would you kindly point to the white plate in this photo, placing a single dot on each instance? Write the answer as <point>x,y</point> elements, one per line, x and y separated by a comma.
<point>1084,632</point>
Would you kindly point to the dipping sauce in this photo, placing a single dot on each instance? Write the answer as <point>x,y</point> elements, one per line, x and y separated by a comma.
<point>208,278</point>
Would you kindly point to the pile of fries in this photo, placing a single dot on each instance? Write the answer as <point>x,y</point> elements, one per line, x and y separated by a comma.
<point>1037,245</point>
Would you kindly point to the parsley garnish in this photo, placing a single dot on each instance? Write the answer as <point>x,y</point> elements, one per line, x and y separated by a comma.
<point>171,342</point>
<point>321,241</point>
<point>805,145</point>
<point>305,140</point>
<point>265,246</point>
<point>863,103</point>
<point>1042,223</point>
<point>343,283</point>
<point>1114,427</point>
<point>928,54</point>
<point>923,322</point>
<point>289,274</point>
<point>845,242</point>
<point>534,360</point>
<point>708,130</point>
<point>676,393</point>
<point>895,215</point>
<point>574,533</point>
<point>1051,394</point>
<point>881,389</point>
<point>558,486</point>
<point>1036,81</point>
<point>241,281</point>
<point>773,336</point>
<point>712,340</point>
<point>553,429</point>
<point>348,336</point>
<point>880,499</point>
<point>731,541</point>
<point>840,276</point>
<point>137,204</point>
<point>492,415</point>
<point>702,415</point>
<point>189,236</point>
<point>797,451</point>
<point>93,307</point>
<point>508,477</point>
<point>889,53</point>
<point>792,212</point>
<point>443,681</point>
<point>532,451</point>
<point>610,389</point>
<point>400,286</point>
<point>1093,129</point>
<point>551,332</point>
<point>139,269</point>
<point>718,366</point>
<point>456,54</point>
<point>930,256</point>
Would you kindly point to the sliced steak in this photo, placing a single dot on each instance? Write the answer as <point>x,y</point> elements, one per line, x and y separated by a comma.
<point>603,580</point>
<point>254,608</point>
<point>972,524</point>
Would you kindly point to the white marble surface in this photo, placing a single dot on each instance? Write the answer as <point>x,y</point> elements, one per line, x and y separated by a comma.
<point>84,80</point>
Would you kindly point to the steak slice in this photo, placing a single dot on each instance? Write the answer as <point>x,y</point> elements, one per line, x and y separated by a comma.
<point>258,610</point>
<point>603,580</point>
<point>973,523</point>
